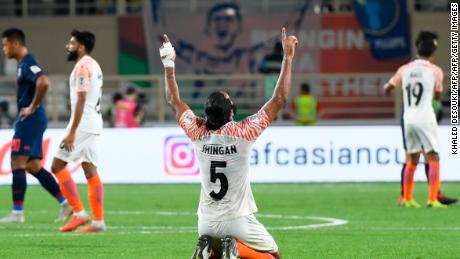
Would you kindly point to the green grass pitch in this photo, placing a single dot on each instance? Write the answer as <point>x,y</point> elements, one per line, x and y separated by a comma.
<point>159,221</point>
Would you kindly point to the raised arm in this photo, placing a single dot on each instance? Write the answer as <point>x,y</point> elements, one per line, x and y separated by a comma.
<point>168,56</point>
<point>280,94</point>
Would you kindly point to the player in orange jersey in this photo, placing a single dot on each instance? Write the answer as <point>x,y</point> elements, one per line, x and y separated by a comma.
<point>81,143</point>
<point>227,207</point>
<point>421,80</point>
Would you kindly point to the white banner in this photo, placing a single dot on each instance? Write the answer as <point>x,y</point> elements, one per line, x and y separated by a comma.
<point>281,154</point>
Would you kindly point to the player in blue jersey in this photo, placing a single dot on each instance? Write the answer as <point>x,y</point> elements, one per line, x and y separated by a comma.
<point>31,122</point>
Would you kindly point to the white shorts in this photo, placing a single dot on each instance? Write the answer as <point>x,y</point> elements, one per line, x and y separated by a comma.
<point>247,230</point>
<point>421,137</point>
<point>86,149</point>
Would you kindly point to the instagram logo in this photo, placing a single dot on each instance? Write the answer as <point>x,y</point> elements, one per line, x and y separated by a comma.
<point>179,156</point>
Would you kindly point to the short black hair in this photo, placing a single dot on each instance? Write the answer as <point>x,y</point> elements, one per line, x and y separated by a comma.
<point>4,106</point>
<point>305,87</point>
<point>426,43</point>
<point>116,97</point>
<point>86,38</point>
<point>131,90</point>
<point>15,34</point>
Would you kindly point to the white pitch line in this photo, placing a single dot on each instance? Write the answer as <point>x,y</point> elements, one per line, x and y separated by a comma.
<point>161,213</point>
<point>150,232</point>
<point>330,222</point>
<point>455,228</point>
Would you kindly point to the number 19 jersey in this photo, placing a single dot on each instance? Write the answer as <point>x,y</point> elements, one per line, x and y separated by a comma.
<point>87,77</point>
<point>418,79</point>
<point>223,157</point>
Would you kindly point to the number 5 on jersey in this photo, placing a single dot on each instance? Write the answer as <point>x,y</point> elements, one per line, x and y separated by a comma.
<point>222,178</point>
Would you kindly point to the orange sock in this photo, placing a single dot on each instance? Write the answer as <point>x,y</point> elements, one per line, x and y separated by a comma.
<point>409,181</point>
<point>434,181</point>
<point>69,190</point>
<point>245,252</point>
<point>96,197</point>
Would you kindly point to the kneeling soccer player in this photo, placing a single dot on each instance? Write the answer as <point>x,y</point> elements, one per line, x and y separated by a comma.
<point>227,206</point>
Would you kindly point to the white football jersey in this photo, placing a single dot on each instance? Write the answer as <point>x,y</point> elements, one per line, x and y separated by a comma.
<point>419,80</point>
<point>223,157</point>
<point>87,77</point>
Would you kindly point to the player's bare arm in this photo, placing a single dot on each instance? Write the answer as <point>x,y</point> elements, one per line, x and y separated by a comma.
<point>280,94</point>
<point>42,85</point>
<point>388,88</point>
<point>67,143</point>
<point>437,94</point>
<point>168,56</point>
<point>439,87</point>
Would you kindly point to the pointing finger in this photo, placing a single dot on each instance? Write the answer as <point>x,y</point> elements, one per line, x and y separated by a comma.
<point>165,38</point>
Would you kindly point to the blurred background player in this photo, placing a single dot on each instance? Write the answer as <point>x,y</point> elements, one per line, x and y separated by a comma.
<point>304,108</point>
<point>83,132</point>
<point>128,113</point>
<point>5,117</point>
<point>226,212</point>
<point>31,122</point>
<point>110,112</point>
<point>420,80</point>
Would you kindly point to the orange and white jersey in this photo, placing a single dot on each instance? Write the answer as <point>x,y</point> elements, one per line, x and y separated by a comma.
<point>223,157</point>
<point>87,77</point>
<point>419,80</point>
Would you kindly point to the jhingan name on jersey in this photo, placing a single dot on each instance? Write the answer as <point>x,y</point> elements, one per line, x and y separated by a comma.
<point>219,150</point>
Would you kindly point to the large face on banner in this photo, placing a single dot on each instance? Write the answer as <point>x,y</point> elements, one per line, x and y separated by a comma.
<point>225,41</point>
<point>224,23</point>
